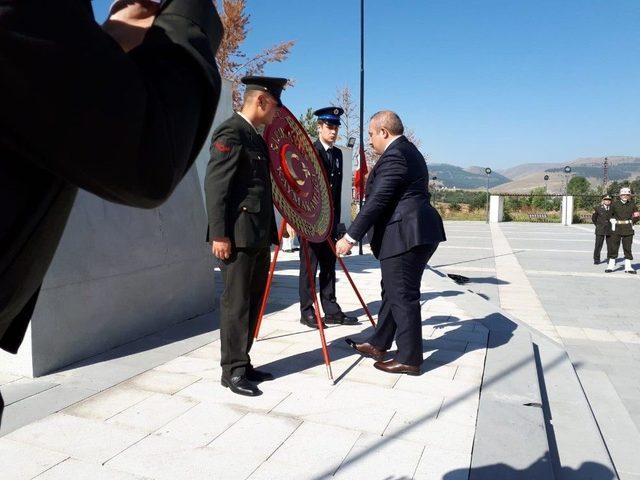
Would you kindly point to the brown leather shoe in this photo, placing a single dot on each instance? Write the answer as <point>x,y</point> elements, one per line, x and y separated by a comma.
<point>393,366</point>
<point>366,349</point>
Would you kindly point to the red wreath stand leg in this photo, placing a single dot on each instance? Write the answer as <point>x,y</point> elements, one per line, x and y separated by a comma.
<point>312,285</point>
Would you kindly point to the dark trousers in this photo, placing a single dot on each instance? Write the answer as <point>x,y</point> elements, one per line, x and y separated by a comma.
<point>600,240</point>
<point>399,314</point>
<point>615,240</point>
<point>244,277</point>
<point>319,254</point>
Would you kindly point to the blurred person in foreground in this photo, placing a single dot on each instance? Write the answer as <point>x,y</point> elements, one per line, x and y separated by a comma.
<point>120,110</point>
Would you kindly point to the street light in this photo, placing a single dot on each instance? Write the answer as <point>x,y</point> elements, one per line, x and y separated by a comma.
<point>567,171</point>
<point>488,172</point>
<point>546,179</point>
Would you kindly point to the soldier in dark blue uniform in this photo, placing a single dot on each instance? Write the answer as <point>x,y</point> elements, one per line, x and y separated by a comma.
<point>601,219</point>
<point>321,253</point>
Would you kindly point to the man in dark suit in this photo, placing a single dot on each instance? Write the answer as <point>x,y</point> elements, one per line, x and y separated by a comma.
<point>321,253</point>
<point>601,219</point>
<point>122,116</point>
<point>242,226</point>
<point>406,233</point>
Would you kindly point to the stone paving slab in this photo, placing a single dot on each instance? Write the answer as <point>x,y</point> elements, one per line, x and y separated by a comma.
<point>175,420</point>
<point>583,308</point>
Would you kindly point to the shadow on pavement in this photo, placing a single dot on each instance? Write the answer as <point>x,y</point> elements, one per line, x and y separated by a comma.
<point>537,470</point>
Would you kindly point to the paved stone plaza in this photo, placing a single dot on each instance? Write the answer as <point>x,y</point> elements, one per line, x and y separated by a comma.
<point>176,421</point>
<point>155,409</point>
<point>544,275</point>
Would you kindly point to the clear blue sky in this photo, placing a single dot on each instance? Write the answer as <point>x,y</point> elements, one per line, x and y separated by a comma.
<point>482,82</point>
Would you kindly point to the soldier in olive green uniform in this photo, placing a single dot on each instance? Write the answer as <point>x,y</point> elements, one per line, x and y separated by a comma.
<point>242,226</point>
<point>624,213</point>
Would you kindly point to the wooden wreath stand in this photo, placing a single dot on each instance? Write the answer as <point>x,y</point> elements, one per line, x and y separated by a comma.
<point>312,285</point>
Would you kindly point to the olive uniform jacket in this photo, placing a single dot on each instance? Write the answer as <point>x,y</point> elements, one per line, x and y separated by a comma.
<point>624,212</point>
<point>238,187</point>
<point>77,111</point>
<point>600,218</point>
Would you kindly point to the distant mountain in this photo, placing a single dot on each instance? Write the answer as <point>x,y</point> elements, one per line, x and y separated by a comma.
<point>470,178</point>
<point>620,168</point>
<point>526,169</point>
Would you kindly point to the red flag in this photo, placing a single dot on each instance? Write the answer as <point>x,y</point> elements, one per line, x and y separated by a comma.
<point>361,173</point>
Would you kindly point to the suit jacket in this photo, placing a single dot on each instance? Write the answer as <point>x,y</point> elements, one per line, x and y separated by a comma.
<point>76,111</point>
<point>334,175</point>
<point>600,218</point>
<point>238,186</point>
<point>397,203</point>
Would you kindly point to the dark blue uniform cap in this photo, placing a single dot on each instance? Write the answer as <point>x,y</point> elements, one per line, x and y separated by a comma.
<point>273,85</point>
<point>331,115</point>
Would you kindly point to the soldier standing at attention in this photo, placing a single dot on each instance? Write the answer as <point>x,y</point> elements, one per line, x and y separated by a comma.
<point>624,213</point>
<point>600,218</point>
<point>242,226</point>
<point>321,253</point>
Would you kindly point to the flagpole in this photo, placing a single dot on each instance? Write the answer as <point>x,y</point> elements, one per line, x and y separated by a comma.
<point>362,158</point>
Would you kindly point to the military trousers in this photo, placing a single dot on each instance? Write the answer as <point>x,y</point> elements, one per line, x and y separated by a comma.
<point>244,277</point>
<point>627,242</point>
<point>320,254</point>
<point>399,316</point>
<point>600,240</point>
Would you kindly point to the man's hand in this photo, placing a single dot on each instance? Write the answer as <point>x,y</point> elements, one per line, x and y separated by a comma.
<point>130,20</point>
<point>343,247</point>
<point>221,248</point>
<point>290,231</point>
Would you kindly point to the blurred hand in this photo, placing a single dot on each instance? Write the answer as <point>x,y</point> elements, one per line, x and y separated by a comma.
<point>129,21</point>
<point>290,231</point>
<point>343,247</point>
<point>221,248</point>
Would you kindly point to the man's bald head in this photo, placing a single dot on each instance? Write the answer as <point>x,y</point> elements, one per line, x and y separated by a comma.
<point>388,120</point>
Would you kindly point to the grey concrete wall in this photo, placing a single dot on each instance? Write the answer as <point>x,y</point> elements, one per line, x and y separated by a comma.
<point>121,273</point>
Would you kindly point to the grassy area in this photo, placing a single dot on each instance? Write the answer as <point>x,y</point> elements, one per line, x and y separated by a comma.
<point>477,215</point>
<point>519,216</point>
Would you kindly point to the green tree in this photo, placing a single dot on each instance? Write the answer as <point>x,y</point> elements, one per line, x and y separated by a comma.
<point>537,200</point>
<point>309,122</point>
<point>579,186</point>
<point>478,201</point>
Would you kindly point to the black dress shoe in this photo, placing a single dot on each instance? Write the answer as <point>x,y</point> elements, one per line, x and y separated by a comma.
<point>240,385</point>
<point>257,375</point>
<point>310,321</point>
<point>340,319</point>
<point>632,272</point>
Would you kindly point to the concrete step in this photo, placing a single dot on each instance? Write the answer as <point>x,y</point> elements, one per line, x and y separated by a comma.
<point>522,367</point>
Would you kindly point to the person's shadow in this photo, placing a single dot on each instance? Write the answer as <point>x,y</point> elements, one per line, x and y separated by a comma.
<point>446,348</point>
<point>461,339</point>
<point>539,470</point>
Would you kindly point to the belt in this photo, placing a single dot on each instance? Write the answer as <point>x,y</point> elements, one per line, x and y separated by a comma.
<point>623,222</point>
